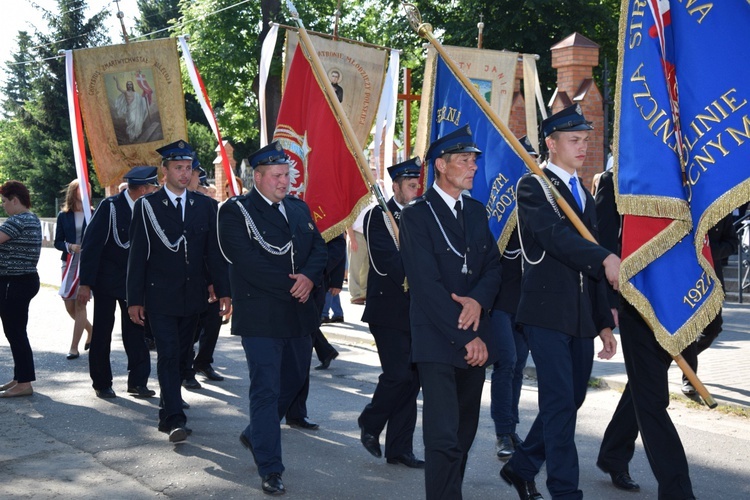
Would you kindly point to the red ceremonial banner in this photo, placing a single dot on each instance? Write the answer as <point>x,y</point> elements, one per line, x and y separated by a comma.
<point>323,170</point>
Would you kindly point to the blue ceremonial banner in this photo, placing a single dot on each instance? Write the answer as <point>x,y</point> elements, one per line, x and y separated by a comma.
<point>682,154</point>
<point>498,167</point>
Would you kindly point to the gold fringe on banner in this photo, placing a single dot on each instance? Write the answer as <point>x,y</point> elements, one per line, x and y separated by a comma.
<point>510,226</point>
<point>675,344</point>
<point>340,227</point>
<point>355,150</point>
<point>720,208</point>
<point>653,249</point>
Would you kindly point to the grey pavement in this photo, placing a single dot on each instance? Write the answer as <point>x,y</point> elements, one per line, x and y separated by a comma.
<point>63,442</point>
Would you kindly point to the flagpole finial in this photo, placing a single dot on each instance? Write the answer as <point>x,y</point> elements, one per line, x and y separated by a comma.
<point>292,9</point>
<point>415,20</point>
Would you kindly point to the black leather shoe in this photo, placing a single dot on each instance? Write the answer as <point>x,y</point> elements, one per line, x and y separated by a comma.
<point>151,344</point>
<point>687,388</point>
<point>107,393</point>
<point>302,423</point>
<point>248,445</point>
<point>72,355</point>
<point>407,459</point>
<point>370,442</point>
<point>191,383</point>
<point>623,481</point>
<point>167,430</point>
<point>272,484</point>
<point>337,319</point>
<point>517,441</point>
<point>86,346</point>
<point>208,372</point>
<point>177,434</point>
<point>505,447</point>
<point>141,391</point>
<point>526,489</point>
<point>327,362</point>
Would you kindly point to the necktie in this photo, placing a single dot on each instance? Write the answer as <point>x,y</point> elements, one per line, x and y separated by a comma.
<point>179,207</point>
<point>574,189</point>
<point>459,214</point>
<point>277,206</point>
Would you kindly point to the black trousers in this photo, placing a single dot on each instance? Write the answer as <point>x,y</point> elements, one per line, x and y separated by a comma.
<point>323,349</point>
<point>647,364</point>
<point>133,339</point>
<point>703,342</point>
<point>394,401</point>
<point>209,326</point>
<point>174,338</point>
<point>16,293</point>
<point>450,416</point>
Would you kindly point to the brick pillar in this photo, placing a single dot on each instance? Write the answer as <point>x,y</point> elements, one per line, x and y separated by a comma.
<point>219,175</point>
<point>575,58</point>
<point>517,118</point>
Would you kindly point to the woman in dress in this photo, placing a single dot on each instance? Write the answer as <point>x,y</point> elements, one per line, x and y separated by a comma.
<point>20,246</point>
<point>68,236</point>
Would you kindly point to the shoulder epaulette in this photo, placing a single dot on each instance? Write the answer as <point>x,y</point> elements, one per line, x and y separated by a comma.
<point>418,199</point>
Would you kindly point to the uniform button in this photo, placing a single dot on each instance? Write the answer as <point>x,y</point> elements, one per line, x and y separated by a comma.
<point>469,271</point>
<point>184,231</point>
<point>468,249</point>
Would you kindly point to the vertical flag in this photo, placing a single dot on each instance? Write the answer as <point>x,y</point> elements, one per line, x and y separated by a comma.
<point>72,264</point>
<point>498,168</point>
<point>324,170</point>
<point>682,151</point>
<point>202,95</point>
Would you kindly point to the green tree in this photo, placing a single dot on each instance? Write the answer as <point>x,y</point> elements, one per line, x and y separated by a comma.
<point>17,88</point>
<point>155,16</point>
<point>36,144</point>
<point>528,26</point>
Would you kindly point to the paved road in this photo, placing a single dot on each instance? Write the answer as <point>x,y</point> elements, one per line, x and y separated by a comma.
<point>63,442</point>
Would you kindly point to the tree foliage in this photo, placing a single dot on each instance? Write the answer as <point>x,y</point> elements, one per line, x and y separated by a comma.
<point>527,26</point>
<point>35,141</point>
<point>225,41</point>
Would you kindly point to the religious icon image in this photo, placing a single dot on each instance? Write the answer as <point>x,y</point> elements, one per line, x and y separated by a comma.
<point>484,87</point>
<point>134,111</point>
<point>335,76</point>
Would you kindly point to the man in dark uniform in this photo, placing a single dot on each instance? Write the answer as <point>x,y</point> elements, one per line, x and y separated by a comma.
<point>209,323</point>
<point>452,267</point>
<point>333,280</point>
<point>507,372</point>
<point>276,257</point>
<point>394,401</point>
<point>172,244</point>
<point>563,306</point>
<point>644,401</point>
<point>104,265</point>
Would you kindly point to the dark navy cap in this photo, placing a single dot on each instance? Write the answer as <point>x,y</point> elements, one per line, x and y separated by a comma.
<point>178,150</point>
<point>409,168</point>
<point>142,176</point>
<point>202,177</point>
<point>272,154</point>
<point>569,119</point>
<point>458,141</point>
<point>196,163</point>
<point>526,143</point>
